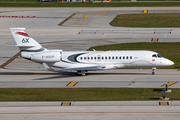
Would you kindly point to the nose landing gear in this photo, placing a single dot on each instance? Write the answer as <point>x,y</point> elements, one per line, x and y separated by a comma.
<point>153,69</point>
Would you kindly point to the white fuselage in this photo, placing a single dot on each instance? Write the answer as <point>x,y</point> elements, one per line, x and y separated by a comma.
<point>111,59</point>
<point>82,61</point>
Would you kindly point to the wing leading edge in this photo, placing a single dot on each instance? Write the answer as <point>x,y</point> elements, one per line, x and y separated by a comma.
<point>74,69</point>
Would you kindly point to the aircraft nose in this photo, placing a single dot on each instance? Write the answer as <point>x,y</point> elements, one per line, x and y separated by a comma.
<point>169,62</point>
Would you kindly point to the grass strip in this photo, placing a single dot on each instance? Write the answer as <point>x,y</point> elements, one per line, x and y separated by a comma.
<point>147,20</point>
<point>84,94</point>
<point>120,4</point>
<point>167,50</point>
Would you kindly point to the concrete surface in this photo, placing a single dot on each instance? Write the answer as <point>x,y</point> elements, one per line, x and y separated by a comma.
<point>79,33</point>
<point>91,112</point>
<point>88,103</point>
<point>118,78</point>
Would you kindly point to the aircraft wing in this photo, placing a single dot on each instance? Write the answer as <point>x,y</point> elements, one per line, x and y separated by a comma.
<point>74,69</point>
<point>83,68</point>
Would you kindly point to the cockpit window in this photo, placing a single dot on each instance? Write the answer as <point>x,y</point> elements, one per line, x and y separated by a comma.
<point>159,55</point>
<point>154,55</point>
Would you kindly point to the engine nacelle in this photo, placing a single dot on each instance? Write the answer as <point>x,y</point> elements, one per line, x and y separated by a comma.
<point>47,56</point>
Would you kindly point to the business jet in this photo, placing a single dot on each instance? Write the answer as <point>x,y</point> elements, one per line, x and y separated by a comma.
<point>83,61</point>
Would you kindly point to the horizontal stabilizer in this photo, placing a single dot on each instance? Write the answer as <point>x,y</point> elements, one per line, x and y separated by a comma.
<point>22,45</point>
<point>25,45</point>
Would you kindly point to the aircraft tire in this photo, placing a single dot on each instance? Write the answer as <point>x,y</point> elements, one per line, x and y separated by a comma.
<point>153,73</point>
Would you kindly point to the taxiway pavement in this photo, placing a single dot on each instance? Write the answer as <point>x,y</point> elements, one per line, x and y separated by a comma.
<point>90,112</point>
<point>130,78</point>
<point>80,33</point>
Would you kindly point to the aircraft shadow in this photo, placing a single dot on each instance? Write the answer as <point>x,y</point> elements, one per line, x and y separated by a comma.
<point>59,76</point>
<point>117,73</point>
<point>26,73</point>
<point>73,74</point>
<point>66,74</point>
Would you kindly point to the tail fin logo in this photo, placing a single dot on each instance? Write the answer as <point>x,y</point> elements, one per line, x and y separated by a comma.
<point>23,33</point>
<point>25,40</point>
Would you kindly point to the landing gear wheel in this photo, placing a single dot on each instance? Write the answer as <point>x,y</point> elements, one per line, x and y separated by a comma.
<point>153,73</point>
<point>153,69</point>
<point>80,73</point>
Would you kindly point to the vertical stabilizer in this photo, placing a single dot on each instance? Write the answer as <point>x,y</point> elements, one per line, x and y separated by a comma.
<point>24,41</point>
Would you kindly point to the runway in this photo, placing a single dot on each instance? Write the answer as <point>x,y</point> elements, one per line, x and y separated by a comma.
<point>79,32</point>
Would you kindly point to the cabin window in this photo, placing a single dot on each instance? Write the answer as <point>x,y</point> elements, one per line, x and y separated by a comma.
<point>88,58</point>
<point>123,57</point>
<point>116,57</point>
<point>95,58</point>
<point>84,58</point>
<point>119,57</point>
<point>113,58</point>
<point>109,58</point>
<point>130,57</point>
<point>126,57</point>
<point>102,58</point>
<point>106,58</point>
<point>81,58</point>
<point>91,58</point>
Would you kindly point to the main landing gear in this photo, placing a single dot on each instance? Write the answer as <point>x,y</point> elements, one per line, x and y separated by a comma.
<point>81,72</point>
<point>153,73</point>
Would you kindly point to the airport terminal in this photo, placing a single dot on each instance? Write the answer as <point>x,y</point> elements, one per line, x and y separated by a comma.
<point>78,29</point>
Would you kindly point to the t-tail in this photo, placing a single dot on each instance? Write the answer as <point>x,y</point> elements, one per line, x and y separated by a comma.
<point>32,50</point>
<point>24,41</point>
